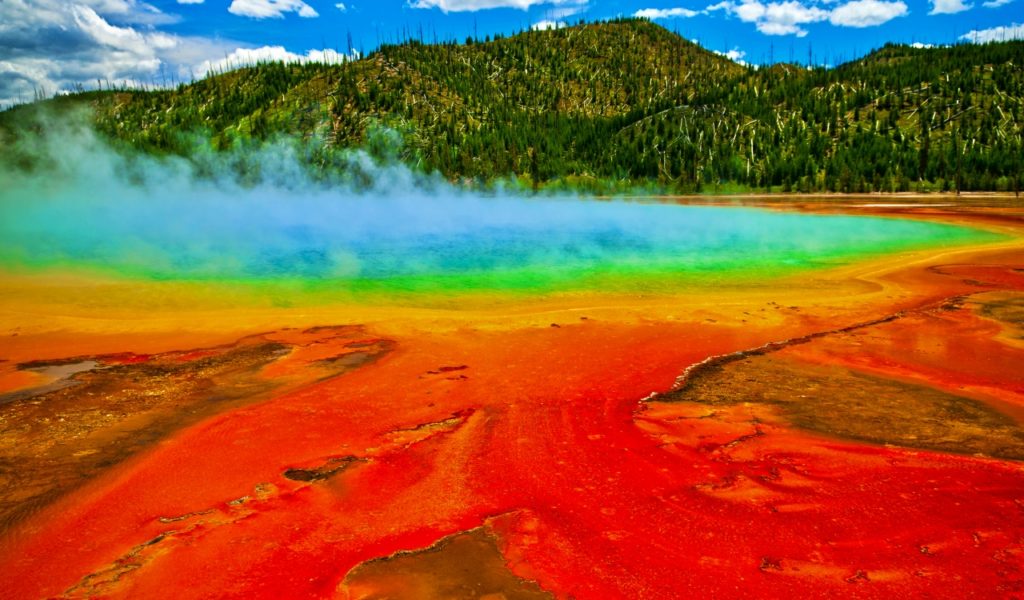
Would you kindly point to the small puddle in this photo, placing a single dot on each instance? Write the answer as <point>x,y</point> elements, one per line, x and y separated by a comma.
<point>60,373</point>
<point>465,566</point>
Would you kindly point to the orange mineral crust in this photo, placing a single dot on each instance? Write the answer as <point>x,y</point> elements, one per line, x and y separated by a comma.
<point>847,432</point>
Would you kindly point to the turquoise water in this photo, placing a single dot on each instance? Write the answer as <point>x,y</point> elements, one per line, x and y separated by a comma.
<point>419,241</point>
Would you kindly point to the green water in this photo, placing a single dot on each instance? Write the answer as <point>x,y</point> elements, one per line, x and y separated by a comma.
<point>454,243</point>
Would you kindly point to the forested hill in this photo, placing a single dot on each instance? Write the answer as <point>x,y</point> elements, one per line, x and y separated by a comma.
<point>617,104</point>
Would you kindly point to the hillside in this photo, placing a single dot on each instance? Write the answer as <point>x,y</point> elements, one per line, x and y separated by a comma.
<point>615,104</point>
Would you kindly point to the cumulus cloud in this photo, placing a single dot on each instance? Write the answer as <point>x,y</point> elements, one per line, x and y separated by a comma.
<point>948,7</point>
<point>49,46</point>
<point>54,46</point>
<point>665,13</point>
<point>125,39</point>
<point>21,16</point>
<point>341,6</point>
<point>247,57</point>
<point>996,3</point>
<point>867,13</point>
<point>791,17</point>
<point>573,6</point>
<point>995,34</point>
<point>774,18</point>
<point>271,9</point>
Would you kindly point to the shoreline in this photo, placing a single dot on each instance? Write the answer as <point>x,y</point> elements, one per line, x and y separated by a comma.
<point>210,311</point>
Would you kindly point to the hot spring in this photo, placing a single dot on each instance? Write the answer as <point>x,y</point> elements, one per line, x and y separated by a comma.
<point>442,241</point>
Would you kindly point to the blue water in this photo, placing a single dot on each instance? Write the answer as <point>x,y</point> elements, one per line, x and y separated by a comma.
<point>267,234</point>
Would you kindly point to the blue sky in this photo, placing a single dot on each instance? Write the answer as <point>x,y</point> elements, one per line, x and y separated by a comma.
<point>52,45</point>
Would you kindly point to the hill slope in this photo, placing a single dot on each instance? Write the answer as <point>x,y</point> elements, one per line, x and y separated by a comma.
<point>619,103</point>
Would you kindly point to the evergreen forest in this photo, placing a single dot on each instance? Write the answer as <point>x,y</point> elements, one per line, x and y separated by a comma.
<point>603,107</point>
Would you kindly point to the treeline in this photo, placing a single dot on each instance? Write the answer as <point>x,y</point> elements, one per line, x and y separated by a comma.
<point>618,105</point>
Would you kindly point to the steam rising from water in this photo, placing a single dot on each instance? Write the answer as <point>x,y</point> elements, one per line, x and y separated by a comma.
<point>98,209</point>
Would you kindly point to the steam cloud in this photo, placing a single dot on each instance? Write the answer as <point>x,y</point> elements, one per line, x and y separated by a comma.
<point>86,204</point>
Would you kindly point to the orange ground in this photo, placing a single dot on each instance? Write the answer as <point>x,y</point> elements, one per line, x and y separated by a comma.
<point>544,437</point>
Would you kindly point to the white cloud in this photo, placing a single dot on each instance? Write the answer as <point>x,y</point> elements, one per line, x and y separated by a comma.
<point>995,34</point>
<point>341,6</point>
<point>120,38</point>
<point>246,57</point>
<point>548,25</point>
<point>56,46</point>
<point>750,11</point>
<point>783,18</point>
<point>53,45</point>
<point>774,18</point>
<point>735,55</point>
<point>867,13</point>
<point>665,13</point>
<point>921,46</point>
<point>948,7</point>
<point>190,1</point>
<point>271,9</point>
<point>791,17</point>
<point>996,3</point>
<point>475,5</point>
